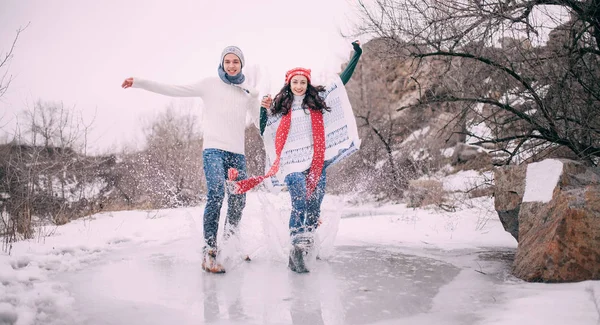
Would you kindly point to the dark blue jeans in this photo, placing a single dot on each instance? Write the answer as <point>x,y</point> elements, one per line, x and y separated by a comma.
<point>216,164</point>
<point>305,210</point>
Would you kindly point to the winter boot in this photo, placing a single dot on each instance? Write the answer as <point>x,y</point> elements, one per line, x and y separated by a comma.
<point>209,262</point>
<point>296,259</point>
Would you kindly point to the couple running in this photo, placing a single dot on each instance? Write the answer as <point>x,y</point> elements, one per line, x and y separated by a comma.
<point>302,137</point>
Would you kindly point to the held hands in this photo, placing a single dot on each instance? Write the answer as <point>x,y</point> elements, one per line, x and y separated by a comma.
<point>127,83</point>
<point>266,101</point>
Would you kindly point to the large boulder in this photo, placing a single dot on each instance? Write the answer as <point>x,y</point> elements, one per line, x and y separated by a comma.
<point>559,223</point>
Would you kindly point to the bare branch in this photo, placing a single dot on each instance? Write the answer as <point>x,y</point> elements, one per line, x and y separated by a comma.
<point>5,59</point>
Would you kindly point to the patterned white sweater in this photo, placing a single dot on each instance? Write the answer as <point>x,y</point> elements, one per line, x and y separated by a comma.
<point>225,109</point>
<point>341,135</point>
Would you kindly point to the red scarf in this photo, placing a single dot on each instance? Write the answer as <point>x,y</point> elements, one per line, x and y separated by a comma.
<point>316,166</point>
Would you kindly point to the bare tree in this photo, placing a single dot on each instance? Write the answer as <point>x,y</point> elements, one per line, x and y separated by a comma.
<point>174,156</point>
<point>60,133</point>
<point>391,139</point>
<point>493,69</point>
<point>380,129</point>
<point>169,171</point>
<point>44,178</point>
<point>7,227</point>
<point>54,125</point>
<point>5,58</point>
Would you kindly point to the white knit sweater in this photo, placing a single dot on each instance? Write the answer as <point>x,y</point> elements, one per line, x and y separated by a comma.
<point>225,109</point>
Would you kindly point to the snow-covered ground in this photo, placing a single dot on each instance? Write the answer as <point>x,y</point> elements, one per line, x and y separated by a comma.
<point>384,264</point>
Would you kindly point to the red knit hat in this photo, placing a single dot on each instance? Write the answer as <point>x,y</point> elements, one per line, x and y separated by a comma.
<point>297,72</point>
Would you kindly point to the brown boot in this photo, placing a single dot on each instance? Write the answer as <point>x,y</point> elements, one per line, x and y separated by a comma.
<point>210,264</point>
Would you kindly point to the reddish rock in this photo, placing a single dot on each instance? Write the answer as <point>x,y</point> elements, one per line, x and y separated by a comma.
<point>559,241</point>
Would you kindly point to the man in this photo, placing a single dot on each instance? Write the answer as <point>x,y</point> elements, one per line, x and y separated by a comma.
<point>227,98</point>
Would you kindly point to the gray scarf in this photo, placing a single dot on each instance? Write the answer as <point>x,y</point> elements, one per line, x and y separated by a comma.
<point>232,80</point>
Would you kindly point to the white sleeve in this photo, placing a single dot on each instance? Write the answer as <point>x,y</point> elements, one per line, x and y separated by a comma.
<point>191,90</point>
<point>253,110</point>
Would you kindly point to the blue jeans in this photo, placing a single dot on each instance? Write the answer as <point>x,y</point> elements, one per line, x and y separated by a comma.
<point>305,210</point>
<point>216,163</point>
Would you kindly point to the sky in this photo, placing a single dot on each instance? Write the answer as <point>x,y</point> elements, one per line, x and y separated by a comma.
<point>79,52</point>
<point>380,264</point>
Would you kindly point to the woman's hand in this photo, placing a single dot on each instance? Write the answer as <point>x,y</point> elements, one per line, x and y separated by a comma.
<point>266,101</point>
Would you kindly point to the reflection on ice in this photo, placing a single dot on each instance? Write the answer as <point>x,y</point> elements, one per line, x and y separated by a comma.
<point>355,286</point>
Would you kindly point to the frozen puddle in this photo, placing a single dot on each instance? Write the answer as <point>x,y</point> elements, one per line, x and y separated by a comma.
<point>359,285</point>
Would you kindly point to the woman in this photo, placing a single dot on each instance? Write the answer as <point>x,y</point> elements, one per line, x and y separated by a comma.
<point>302,137</point>
<point>227,98</point>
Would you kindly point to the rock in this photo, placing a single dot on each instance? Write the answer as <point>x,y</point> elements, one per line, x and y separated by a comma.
<point>509,187</point>
<point>421,193</point>
<point>472,157</point>
<point>559,240</point>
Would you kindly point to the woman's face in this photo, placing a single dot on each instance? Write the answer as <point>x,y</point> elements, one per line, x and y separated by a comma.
<point>232,64</point>
<point>298,85</point>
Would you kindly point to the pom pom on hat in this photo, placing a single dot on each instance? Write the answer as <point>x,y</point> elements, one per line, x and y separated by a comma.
<point>234,50</point>
<point>297,72</point>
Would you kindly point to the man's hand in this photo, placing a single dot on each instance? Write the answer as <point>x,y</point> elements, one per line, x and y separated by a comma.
<point>127,83</point>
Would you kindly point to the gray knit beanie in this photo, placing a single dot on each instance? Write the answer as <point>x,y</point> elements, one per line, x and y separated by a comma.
<point>235,50</point>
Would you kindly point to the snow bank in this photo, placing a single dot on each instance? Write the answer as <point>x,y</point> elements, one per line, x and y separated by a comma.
<point>541,180</point>
<point>466,180</point>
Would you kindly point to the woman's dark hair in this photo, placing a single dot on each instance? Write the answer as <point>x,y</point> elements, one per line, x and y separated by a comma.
<point>283,100</point>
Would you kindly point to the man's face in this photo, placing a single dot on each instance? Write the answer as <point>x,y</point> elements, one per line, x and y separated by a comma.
<point>298,85</point>
<point>232,64</point>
